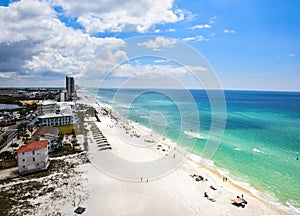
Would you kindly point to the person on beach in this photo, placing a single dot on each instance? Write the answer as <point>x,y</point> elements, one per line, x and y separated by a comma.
<point>205,195</point>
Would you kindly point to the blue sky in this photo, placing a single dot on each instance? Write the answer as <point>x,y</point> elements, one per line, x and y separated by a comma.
<point>251,44</point>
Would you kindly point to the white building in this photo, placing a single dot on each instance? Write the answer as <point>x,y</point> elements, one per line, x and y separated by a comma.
<point>33,157</point>
<point>47,106</point>
<point>63,96</point>
<point>52,113</point>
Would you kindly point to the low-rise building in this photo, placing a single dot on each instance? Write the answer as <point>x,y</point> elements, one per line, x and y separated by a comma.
<point>52,113</point>
<point>47,106</point>
<point>33,157</point>
<point>48,133</point>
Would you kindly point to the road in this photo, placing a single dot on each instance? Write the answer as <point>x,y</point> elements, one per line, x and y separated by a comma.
<point>11,133</point>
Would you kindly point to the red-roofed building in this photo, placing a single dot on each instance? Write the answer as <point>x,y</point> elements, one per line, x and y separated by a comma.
<point>33,156</point>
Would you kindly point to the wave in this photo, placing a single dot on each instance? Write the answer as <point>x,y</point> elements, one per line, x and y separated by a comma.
<point>123,106</point>
<point>194,134</point>
<point>258,151</point>
<point>266,195</point>
<point>237,149</point>
<point>202,160</point>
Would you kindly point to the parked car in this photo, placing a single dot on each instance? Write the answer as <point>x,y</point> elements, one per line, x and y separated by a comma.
<point>14,145</point>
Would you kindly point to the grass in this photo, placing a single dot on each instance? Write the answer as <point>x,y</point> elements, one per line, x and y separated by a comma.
<point>66,129</point>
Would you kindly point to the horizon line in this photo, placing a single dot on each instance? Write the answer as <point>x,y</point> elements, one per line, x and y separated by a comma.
<point>224,89</point>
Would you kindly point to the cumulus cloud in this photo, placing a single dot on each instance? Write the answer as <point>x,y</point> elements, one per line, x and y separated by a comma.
<point>115,65</point>
<point>120,15</point>
<point>36,44</point>
<point>158,43</point>
<point>155,71</point>
<point>5,75</point>
<point>201,26</point>
<point>33,42</point>
<point>104,63</point>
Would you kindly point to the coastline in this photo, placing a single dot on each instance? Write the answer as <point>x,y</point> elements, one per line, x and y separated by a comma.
<point>214,174</point>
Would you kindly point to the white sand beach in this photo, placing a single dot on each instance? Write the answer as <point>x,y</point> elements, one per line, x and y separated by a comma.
<point>176,193</point>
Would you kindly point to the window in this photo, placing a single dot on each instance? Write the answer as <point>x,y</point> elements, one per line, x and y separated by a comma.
<point>23,159</point>
<point>33,159</point>
<point>23,167</point>
<point>33,152</point>
<point>37,164</point>
<point>22,153</point>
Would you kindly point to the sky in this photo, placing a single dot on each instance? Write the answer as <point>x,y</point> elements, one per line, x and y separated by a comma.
<point>228,44</point>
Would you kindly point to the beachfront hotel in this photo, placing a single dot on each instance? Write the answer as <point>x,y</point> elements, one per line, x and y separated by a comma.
<point>52,113</point>
<point>70,87</point>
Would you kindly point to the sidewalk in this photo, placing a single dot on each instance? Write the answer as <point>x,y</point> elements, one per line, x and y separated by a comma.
<point>9,173</point>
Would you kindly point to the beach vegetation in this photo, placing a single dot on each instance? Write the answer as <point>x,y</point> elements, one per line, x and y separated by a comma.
<point>7,160</point>
<point>66,149</point>
<point>8,100</point>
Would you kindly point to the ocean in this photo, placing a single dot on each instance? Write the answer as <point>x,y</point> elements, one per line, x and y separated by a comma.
<point>260,149</point>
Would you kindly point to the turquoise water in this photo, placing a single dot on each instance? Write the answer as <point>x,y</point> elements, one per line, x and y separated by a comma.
<point>261,142</point>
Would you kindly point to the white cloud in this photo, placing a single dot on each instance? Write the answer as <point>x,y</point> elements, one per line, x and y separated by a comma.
<point>227,31</point>
<point>196,69</point>
<point>35,42</point>
<point>292,55</point>
<point>155,71</point>
<point>197,38</point>
<point>105,62</point>
<point>212,20</point>
<point>120,15</point>
<point>171,30</point>
<point>161,61</point>
<point>36,46</point>
<point>158,43</point>
<point>201,26</point>
<point>5,75</point>
<point>115,65</point>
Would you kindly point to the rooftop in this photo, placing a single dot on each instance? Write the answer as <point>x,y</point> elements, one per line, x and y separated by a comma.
<point>46,131</point>
<point>33,145</point>
<point>54,115</point>
<point>47,102</point>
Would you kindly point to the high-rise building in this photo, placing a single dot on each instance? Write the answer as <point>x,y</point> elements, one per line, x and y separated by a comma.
<point>70,87</point>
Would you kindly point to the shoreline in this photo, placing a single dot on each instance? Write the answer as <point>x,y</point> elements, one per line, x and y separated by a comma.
<point>212,170</point>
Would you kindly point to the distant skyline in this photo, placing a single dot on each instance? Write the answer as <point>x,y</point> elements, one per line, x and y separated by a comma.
<point>251,44</point>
